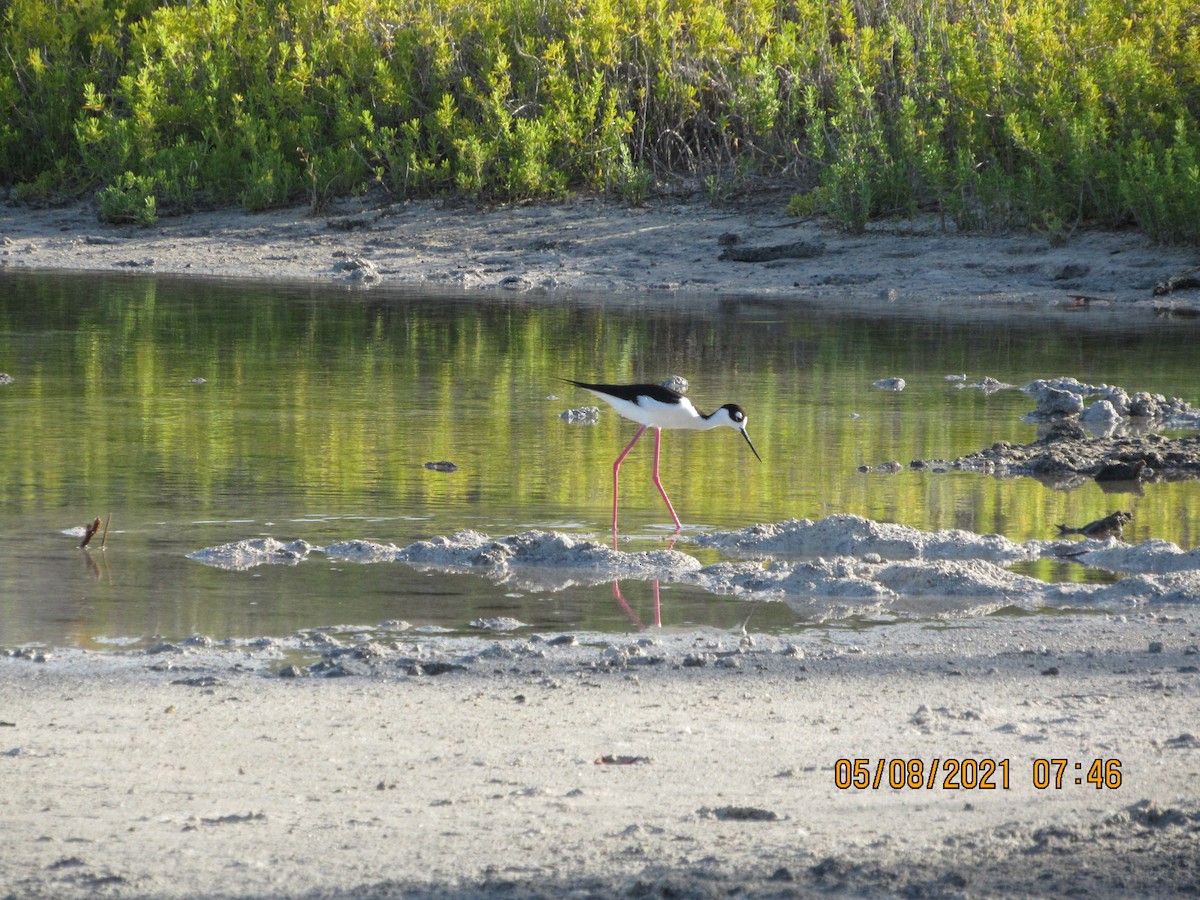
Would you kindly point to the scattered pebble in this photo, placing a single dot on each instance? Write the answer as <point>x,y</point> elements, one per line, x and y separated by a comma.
<point>356,268</point>
<point>584,415</point>
<point>614,760</point>
<point>29,654</point>
<point>675,383</point>
<point>498,623</point>
<point>738,814</point>
<point>988,385</point>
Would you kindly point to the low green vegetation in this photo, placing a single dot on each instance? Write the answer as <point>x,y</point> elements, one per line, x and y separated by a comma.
<point>992,113</point>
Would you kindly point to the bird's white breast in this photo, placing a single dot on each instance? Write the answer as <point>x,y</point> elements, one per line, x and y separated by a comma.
<point>655,413</point>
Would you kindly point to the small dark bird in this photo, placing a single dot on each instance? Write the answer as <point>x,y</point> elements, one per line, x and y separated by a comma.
<point>1121,471</point>
<point>1111,525</point>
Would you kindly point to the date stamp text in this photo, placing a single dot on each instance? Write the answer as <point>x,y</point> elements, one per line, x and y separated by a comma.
<point>970,774</point>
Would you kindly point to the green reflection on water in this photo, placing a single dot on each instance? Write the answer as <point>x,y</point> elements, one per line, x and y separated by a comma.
<point>319,406</point>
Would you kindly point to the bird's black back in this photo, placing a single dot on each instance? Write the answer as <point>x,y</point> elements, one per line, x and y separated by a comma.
<point>631,392</point>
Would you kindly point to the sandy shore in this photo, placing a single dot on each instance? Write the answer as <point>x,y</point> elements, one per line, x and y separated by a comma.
<point>462,768</point>
<point>472,768</point>
<point>589,245</point>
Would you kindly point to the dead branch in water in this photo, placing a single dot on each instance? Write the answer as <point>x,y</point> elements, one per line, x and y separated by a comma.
<point>90,533</point>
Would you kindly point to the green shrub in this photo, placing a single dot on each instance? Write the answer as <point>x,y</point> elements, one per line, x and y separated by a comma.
<point>632,181</point>
<point>1162,187</point>
<point>994,113</point>
<point>128,200</point>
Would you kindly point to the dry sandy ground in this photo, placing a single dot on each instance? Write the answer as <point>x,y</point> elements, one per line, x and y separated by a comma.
<point>195,774</point>
<point>178,775</point>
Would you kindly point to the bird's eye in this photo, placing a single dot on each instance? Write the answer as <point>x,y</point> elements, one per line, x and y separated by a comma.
<point>737,416</point>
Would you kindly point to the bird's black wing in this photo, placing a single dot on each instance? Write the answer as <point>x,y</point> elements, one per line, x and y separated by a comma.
<point>631,392</point>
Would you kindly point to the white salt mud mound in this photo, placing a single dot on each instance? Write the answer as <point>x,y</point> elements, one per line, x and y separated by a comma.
<point>943,586</point>
<point>467,550</point>
<point>361,551</point>
<point>967,578</point>
<point>847,535</point>
<point>241,555</point>
<point>547,549</point>
<point>1179,587</point>
<point>821,578</point>
<point>463,548</point>
<point>847,564</point>
<point>1152,556</point>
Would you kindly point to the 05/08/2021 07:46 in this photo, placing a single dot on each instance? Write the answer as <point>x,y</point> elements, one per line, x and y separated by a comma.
<point>971,774</point>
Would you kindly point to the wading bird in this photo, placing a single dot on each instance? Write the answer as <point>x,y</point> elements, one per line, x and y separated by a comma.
<point>657,407</point>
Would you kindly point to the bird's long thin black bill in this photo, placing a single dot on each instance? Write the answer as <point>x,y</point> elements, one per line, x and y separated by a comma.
<point>747,437</point>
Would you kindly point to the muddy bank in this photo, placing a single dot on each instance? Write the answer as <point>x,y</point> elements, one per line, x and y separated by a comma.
<point>668,246</point>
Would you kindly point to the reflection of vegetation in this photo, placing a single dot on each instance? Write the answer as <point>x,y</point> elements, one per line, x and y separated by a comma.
<point>324,403</point>
<point>1038,113</point>
<point>321,401</point>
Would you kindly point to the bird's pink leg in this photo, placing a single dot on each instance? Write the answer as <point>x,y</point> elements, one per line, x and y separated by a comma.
<point>625,607</point>
<point>617,474</point>
<point>658,483</point>
<point>628,610</point>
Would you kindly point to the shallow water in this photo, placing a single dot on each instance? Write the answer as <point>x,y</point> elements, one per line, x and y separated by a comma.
<point>320,405</point>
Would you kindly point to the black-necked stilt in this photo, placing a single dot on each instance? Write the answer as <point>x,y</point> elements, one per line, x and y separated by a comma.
<point>658,407</point>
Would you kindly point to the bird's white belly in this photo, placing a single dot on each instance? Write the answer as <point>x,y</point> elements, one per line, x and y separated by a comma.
<point>659,415</point>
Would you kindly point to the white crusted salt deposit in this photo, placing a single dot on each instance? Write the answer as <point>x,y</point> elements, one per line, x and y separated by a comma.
<point>241,555</point>
<point>843,587</point>
<point>361,551</point>
<point>1152,556</point>
<point>842,562</point>
<point>498,623</point>
<point>847,535</point>
<point>470,549</point>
